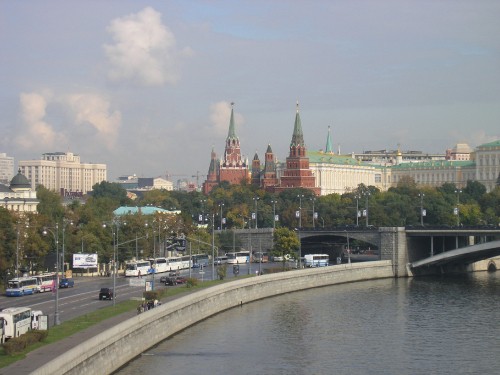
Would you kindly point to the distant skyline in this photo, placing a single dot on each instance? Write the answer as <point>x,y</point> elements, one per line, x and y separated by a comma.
<point>145,86</point>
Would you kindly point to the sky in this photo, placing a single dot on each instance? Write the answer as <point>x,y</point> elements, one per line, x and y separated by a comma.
<point>146,86</point>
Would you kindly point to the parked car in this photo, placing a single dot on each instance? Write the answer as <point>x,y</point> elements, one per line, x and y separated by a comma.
<point>175,280</point>
<point>106,293</point>
<point>66,283</point>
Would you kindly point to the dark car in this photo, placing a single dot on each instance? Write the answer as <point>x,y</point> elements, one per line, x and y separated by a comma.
<point>106,293</point>
<point>174,280</point>
<point>66,283</point>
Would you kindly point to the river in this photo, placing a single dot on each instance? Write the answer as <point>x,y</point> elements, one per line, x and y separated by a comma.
<point>434,325</point>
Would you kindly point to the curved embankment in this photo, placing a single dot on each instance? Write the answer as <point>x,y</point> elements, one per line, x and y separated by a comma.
<point>118,345</point>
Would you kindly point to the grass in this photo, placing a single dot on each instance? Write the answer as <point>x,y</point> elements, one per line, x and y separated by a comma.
<point>85,321</point>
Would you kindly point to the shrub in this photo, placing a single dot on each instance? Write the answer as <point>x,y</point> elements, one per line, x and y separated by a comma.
<point>191,281</point>
<point>18,344</point>
<point>151,295</point>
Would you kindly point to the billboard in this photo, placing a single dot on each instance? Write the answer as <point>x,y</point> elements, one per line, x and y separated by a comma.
<point>84,260</point>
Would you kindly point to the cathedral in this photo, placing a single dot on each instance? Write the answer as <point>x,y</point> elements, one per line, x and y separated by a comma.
<point>234,170</point>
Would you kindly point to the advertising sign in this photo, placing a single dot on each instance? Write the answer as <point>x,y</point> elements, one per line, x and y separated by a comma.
<point>84,260</point>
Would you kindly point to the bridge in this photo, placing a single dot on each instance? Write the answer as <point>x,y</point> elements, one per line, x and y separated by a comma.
<point>413,250</point>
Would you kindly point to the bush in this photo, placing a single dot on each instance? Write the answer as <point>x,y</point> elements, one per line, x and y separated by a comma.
<point>18,344</point>
<point>191,281</point>
<point>222,272</point>
<point>151,295</point>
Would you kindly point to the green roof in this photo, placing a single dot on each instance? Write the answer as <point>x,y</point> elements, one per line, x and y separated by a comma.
<point>321,157</point>
<point>146,210</point>
<point>490,145</point>
<point>435,164</point>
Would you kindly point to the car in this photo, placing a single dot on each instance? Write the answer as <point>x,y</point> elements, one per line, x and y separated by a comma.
<point>174,280</point>
<point>106,293</point>
<point>66,283</point>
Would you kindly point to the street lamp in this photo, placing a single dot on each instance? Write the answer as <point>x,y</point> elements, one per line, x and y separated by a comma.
<point>274,213</point>
<point>56,241</point>
<point>421,195</point>
<point>255,199</point>
<point>300,196</point>
<point>114,225</point>
<point>63,242</point>
<point>348,248</point>
<point>221,205</point>
<point>357,209</point>
<point>313,216</point>
<point>457,209</point>
<point>367,195</point>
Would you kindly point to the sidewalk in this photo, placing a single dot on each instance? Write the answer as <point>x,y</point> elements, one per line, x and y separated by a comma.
<point>40,356</point>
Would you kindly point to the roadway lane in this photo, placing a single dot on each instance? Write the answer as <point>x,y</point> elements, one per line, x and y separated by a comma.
<point>84,297</point>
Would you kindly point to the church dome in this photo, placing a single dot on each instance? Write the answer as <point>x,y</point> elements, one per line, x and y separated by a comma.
<point>20,181</point>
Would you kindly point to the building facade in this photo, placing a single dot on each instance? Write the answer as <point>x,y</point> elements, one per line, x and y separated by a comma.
<point>63,172</point>
<point>6,168</point>
<point>18,196</point>
<point>231,168</point>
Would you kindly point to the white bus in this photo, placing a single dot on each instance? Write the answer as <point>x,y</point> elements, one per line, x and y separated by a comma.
<point>316,260</point>
<point>46,282</point>
<point>160,265</point>
<point>21,286</point>
<point>238,257</point>
<point>179,263</point>
<point>16,320</point>
<point>200,260</point>
<point>137,268</point>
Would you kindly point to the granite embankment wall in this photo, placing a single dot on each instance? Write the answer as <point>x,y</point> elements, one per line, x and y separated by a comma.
<point>118,345</point>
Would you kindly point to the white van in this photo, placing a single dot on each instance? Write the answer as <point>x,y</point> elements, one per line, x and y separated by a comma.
<point>220,260</point>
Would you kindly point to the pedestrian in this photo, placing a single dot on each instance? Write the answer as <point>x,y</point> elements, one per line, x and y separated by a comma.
<point>139,274</point>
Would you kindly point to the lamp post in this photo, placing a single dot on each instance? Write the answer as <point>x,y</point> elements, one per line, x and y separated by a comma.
<point>348,248</point>
<point>63,242</point>
<point>300,196</point>
<point>213,247</point>
<point>114,232</point>
<point>255,199</point>
<point>421,195</point>
<point>274,213</point>
<point>56,241</point>
<point>457,209</point>
<point>367,195</point>
<point>357,209</point>
<point>313,215</point>
<point>221,205</point>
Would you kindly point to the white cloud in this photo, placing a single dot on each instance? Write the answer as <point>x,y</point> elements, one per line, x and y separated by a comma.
<point>220,115</point>
<point>94,111</point>
<point>144,50</point>
<point>37,133</point>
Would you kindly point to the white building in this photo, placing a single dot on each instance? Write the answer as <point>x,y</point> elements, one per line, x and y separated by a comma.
<point>63,172</point>
<point>18,196</point>
<point>6,168</point>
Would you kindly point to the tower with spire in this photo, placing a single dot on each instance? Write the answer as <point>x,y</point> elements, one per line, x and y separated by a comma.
<point>232,168</point>
<point>297,173</point>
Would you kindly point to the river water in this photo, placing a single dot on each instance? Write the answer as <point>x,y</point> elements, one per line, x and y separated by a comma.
<point>438,325</point>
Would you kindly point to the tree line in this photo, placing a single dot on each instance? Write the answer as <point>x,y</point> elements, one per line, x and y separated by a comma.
<point>91,227</point>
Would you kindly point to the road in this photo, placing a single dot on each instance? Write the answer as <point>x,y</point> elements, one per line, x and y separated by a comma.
<point>84,297</point>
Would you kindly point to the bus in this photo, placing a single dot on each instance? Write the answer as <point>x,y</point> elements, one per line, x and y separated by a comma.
<point>200,260</point>
<point>21,286</point>
<point>46,282</point>
<point>160,265</point>
<point>16,320</point>
<point>136,268</point>
<point>316,260</point>
<point>260,257</point>
<point>238,257</point>
<point>179,263</point>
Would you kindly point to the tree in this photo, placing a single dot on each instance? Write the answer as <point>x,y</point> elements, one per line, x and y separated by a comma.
<point>111,190</point>
<point>286,243</point>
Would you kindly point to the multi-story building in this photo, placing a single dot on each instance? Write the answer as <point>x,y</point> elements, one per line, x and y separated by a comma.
<point>6,168</point>
<point>18,196</point>
<point>63,172</point>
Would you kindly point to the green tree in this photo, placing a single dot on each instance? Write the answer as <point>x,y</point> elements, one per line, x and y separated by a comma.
<point>286,243</point>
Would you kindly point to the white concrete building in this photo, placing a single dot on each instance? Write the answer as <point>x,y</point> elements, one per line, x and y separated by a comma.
<point>63,172</point>
<point>6,168</point>
<point>18,196</point>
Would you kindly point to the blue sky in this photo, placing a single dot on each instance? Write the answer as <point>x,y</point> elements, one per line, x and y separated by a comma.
<point>146,86</point>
